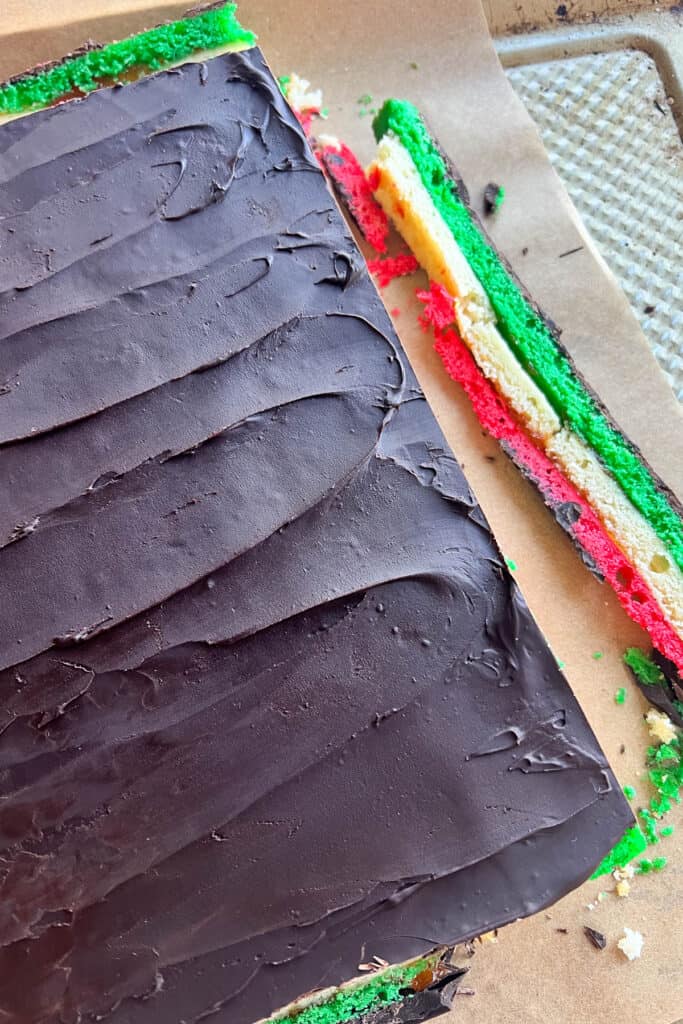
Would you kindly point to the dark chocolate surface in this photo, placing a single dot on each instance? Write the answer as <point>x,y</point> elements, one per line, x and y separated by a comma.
<point>271,701</point>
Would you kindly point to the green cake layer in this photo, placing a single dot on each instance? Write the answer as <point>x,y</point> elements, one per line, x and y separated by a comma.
<point>157,48</point>
<point>644,668</point>
<point>527,334</point>
<point>362,997</point>
<point>630,846</point>
<point>649,673</point>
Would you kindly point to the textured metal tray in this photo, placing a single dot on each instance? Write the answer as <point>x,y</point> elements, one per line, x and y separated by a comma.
<point>608,122</point>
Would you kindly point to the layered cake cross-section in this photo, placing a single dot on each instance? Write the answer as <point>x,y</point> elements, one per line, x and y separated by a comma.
<point>508,356</point>
<point>272,704</point>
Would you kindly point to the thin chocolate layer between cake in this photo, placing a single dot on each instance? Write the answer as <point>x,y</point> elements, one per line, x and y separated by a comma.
<point>270,696</point>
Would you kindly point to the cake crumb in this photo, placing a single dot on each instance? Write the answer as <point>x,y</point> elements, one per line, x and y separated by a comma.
<point>299,93</point>
<point>623,888</point>
<point>489,937</point>
<point>660,725</point>
<point>631,944</point>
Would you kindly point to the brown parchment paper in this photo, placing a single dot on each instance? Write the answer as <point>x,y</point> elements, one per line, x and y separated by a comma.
<point>534,973</point>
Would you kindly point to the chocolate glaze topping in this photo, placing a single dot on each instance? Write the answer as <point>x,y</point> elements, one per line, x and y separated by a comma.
<point>270,697</point>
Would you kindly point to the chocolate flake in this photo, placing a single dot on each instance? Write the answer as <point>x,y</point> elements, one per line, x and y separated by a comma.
<point>597,938</point>
<point>570,252</point>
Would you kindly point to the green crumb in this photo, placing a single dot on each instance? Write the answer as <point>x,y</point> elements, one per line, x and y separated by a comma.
<point>629,792</point>
<point>631,844</point>
<point>526,332</point>
<point>649,826</point>
<point>560,664</point>
<point>620,696</point>
<point>500,196</point>
<point>324,112</point>
<point>597,655</point>
<point>643,668</point>
<point>665,771</point>
<point>660,807</point>
<point>283,81</point>
<point>512,566</point>
<point>645,866</point>
<point>414,65</point>
<point>366,997</point>
<point>365,100</point>
<point>152,50</point>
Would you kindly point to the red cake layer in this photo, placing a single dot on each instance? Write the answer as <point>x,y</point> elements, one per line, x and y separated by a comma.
<point>386,269</point>
<point>349,178</point>
<point>587,531</point>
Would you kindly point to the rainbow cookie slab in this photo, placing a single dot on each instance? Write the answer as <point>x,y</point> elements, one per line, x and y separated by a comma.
<point>243,583</point>
<point>209,31</point>
<point>526,390</point>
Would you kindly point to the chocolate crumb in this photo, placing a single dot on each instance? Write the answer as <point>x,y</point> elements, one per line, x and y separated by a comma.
<point>597,938</point>
<point>622,748</point>
<point>649,309</point>
<point>525,250</point>
<point>561,10</point>
<point>562,931</point>
<point>493,197</point>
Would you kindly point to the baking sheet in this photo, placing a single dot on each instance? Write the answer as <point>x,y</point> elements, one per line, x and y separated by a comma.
<point>533,973</point>
<point>595,112</point>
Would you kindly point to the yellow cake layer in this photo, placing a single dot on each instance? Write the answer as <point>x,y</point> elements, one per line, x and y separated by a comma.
<point>408,204</point>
